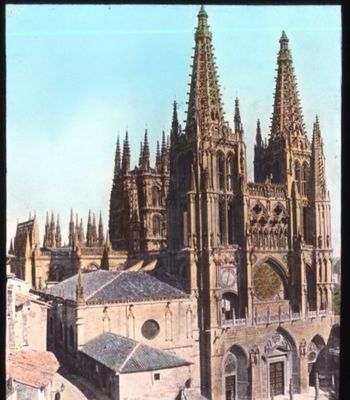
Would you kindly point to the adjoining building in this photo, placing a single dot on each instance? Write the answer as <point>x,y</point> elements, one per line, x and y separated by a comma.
<point>251,261</point>
<point>32,373</point>
<point>30,369</point>
<point>116,363</point>
<point>108,325</point>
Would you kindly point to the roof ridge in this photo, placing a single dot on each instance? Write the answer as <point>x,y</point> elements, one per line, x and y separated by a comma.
<point>104,285</point>
<point>138,344</point>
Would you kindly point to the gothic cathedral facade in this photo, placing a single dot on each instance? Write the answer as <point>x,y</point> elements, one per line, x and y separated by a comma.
<point>255,255</point>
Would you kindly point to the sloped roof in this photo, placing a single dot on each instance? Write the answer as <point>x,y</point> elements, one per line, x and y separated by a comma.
<point>125,355</point>
<point>109,286</point>
<point>33,368</point>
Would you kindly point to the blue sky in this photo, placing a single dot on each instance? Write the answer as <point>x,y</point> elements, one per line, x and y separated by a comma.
<point>77,76</point>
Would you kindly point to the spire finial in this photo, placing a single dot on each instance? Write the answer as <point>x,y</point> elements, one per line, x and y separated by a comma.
<point>202,11</point>
<point>202,20</point>
<point>284,37</point>
<point>146,153</point>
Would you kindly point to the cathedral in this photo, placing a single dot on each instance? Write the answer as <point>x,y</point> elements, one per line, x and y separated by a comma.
<point>232,278</point>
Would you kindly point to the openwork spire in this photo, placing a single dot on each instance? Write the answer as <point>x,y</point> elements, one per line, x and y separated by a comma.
<point>287,118</point>
<point>204,115</point>
<point>318,164</point>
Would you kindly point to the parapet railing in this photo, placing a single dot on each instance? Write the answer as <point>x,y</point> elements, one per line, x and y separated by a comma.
<point>274,318</point>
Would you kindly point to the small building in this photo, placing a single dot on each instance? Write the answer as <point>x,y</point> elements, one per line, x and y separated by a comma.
<point>126,369</point>
<point>26,317</point>
<point>32,374</point>
<point>127,308</point>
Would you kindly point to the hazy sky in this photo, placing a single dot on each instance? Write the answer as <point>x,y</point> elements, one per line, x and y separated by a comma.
<point>79,75</point>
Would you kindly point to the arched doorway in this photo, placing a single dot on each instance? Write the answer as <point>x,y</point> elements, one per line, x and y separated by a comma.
<point>236,374</point>
<point>314,351</point>
<point>283,364</point>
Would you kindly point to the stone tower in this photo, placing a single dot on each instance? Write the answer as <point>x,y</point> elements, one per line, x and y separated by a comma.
<point>137,221</point>
<point>254,255</point>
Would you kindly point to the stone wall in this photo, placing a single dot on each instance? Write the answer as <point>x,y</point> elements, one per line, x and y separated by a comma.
<point>166,388</point>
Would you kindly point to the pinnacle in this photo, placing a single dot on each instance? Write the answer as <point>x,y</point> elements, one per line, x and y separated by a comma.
<point>202,11</point>
<point>158,151</point>
<point>284,37</point>
<point>163,141</point>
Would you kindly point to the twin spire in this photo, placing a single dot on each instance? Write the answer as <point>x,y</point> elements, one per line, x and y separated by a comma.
<point>205,114</point>
<point>287,118</point>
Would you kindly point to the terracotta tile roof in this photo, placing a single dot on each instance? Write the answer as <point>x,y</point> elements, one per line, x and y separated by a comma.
<point>33,368</point>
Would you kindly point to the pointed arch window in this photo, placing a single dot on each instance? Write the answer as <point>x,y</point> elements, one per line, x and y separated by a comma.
<point>220,171</point>
<point>297,175</point>
<point>304,179</point>
<point>156,196</point>
<point>229,173</point>
<point>311,288</point>
<point>156,225</point>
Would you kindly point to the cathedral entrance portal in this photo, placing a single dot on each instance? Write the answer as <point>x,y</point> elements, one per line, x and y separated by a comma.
<point>282,363</point>
<point>277,378</point>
